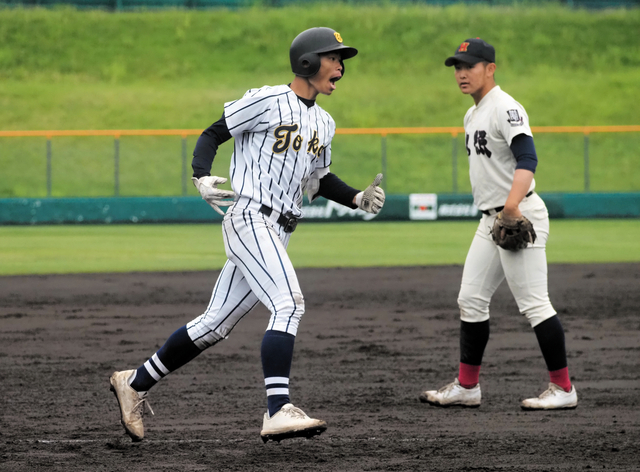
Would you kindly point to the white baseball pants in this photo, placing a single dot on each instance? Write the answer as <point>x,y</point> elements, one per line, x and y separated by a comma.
<point>258,269</point>
<point>487,265</point>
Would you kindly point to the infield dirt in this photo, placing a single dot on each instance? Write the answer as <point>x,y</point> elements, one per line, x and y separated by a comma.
<point>370,342</point>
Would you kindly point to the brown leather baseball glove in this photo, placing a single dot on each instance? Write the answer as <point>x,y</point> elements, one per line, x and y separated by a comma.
<point>512,234</point>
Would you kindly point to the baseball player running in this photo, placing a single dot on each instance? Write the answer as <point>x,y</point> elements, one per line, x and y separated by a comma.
<point>502,162</point>
<point>282,148</point>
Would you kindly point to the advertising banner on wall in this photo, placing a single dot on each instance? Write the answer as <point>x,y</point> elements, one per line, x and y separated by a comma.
<point>430,206</point>
<point>413,207</point>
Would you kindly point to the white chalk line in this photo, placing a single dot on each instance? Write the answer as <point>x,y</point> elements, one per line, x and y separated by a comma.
<point>200,441</point>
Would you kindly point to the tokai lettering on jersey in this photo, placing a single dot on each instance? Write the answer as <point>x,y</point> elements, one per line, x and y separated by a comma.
<point>479,143</point>
<point>514,118</point>
<point>313,147</point>
<point>283,133</point>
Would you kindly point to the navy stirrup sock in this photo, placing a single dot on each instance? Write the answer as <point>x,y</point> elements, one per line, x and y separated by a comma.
<point>473,339</point>
<point>176,352</point>
<point>277,353</point>
<point>550,336</point>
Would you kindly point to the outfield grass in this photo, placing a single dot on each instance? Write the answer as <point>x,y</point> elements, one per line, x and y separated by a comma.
<point>85,69</point>
<point>142,248</point>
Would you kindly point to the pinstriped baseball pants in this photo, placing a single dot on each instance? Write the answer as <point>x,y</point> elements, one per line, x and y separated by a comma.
<point>258,269</point>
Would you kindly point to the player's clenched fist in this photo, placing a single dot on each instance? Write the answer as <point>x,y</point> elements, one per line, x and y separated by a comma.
<point>207,186</point>
<point>372,198</point>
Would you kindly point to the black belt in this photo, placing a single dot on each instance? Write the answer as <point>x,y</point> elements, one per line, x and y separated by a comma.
<point>287,221</point>
<point>499,209</point>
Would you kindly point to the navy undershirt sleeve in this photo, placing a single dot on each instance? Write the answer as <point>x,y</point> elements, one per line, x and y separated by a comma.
<point>525,152</point>
<point>332,188</point>
<point>207,147</point>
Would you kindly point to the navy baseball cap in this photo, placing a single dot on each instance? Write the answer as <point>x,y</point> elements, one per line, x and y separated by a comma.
<point>472,51</point>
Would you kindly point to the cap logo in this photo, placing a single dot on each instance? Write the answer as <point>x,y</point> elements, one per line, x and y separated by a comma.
<point>463,47</point>
<point>338,37</point>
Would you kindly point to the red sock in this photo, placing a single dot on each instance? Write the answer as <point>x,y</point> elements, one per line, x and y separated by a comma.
<point>468,375</point>
<point>560,377</point>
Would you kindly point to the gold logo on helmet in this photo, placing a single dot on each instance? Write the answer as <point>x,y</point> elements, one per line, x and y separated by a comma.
<point>338,37</point>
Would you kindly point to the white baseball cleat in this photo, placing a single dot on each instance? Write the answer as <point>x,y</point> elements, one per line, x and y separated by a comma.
<point>290,422</point>
<point>131,404</point>
<point>453,394</point>
<point>553,398</point>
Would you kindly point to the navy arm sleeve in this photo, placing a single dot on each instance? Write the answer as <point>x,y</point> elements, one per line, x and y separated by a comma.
<point>332,188</point>
<point>525,152</point>
<point>207,147</point>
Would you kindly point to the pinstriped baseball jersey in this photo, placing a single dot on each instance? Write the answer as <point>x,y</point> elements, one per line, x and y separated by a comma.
<point>282,149</point>
<point>279,143</point>
<point>489,129</point>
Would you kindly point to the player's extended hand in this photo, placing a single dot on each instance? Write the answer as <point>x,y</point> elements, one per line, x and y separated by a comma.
<point>207,186</point>
<point>372,198</point>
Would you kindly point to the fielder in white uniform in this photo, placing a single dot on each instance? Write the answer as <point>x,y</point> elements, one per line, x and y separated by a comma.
<point>282,149</point>
<point>502,162</point>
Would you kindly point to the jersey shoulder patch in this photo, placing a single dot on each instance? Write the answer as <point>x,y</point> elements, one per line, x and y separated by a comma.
<point>515,112</point>
<point>514,118</point>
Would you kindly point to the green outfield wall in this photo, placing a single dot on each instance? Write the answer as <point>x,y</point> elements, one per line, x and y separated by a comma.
<point>413,207</point>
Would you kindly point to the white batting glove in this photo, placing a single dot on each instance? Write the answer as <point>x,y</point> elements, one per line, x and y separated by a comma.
<point>207,186</point>
<point>372,198</point>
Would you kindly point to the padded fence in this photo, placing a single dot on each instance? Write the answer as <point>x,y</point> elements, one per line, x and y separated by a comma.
<point>413,207</point>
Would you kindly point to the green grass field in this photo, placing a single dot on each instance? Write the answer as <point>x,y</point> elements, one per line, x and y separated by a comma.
<point>141,248</point>
<point>62,68</point>
<point>165,69</point>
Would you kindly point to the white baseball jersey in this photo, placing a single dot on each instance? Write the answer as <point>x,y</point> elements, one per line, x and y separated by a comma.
<point>489,129</point>
<point>279,143</point>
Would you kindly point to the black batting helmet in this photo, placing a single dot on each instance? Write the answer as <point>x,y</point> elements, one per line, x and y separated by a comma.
<point>307,46</point>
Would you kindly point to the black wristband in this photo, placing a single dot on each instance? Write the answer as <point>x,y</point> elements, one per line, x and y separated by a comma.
<point>332,188</point>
